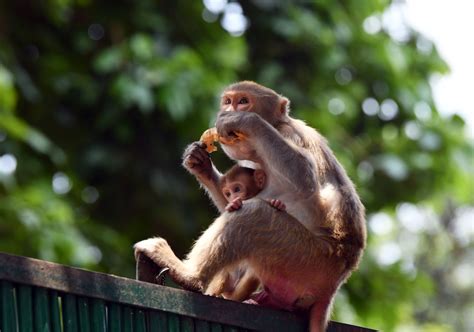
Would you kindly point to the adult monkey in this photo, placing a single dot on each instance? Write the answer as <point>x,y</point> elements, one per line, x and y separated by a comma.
<point>301,256</point>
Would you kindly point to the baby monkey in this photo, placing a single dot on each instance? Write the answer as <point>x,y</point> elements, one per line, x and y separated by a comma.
<point>241,183</point>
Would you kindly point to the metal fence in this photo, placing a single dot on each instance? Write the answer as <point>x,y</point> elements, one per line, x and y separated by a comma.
<point>41,296</point>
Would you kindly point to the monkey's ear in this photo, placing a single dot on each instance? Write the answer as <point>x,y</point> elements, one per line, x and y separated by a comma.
<point>284,105</point>
<point>259,176</point>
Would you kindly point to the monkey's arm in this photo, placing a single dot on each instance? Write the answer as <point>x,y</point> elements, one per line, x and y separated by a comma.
<point>277,155</point>
<point>196,160</point>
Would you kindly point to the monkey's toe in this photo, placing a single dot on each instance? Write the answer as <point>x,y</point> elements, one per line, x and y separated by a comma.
<point>161,277</point>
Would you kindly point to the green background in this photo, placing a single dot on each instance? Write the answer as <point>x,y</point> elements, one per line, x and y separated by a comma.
<point>99,99</point>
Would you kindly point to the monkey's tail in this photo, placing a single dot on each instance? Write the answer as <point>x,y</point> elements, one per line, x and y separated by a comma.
<point>319,315</point>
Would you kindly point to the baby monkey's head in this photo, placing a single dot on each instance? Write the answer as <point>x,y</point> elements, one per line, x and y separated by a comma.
<point>242,182</point>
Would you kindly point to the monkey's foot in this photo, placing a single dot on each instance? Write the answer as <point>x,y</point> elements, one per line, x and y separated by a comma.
<point>157,249</point>
<point>161,277</point>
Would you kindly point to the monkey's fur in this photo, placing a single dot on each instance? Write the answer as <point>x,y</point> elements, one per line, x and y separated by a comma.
<point>300,256</point>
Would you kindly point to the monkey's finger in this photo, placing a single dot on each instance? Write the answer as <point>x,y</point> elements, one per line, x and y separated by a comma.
<point>235,205</point>
<point>279,204</point>
<point>193,148</point>
<point>191,162</point>
<point>194,160</point>
<point>230,208</point>
<point>197,152</point>
<point>197,146</point>
<point>201,154</point>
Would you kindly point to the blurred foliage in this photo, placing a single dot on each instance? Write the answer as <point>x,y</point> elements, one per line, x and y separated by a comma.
<point>99,99</point>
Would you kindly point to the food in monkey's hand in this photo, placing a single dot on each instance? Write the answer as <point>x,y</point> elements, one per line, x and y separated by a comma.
<point>210,136</point>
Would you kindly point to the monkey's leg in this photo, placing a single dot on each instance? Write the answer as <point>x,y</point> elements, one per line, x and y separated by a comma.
<point>244,288</point>
<point>219,284</point>
<point>270,239</point>
<point>212,252</point>
<point>319,315</point>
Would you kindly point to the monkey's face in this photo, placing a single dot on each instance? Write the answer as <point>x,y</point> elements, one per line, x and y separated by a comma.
<point>250,97</point>
<point>237,188</point>
<point>243,185</point>
<point>255,98</point>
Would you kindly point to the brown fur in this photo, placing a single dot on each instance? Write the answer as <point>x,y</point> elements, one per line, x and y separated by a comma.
<point>237,171</point>
<point>303,254</point>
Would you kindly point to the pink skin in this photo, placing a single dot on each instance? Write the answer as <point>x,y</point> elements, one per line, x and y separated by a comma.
<point>236,204</point>
<point>277,204</point>
<point>277,294</point>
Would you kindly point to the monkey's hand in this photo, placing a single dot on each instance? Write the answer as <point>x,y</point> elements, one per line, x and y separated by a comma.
<point>197,161</point>
<point>235,205</point>
<point>277,204</point>
<point>231,125</point>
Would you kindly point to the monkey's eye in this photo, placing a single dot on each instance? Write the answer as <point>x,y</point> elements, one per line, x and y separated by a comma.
<point>227,194</point>
<point>227,101</point>
<point>243,100</point>
<point>236,189</point>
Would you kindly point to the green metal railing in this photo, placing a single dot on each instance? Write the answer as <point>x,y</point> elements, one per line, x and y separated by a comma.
<point>41,296</point>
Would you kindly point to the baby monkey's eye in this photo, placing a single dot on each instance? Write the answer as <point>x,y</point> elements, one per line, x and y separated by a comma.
<point>243,100</point>
<point>227,194</point>
<point>227,101</point>
<point>236,189</point>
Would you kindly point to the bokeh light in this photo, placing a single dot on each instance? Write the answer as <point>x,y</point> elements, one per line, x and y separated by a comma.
<point>234,20</point>
<point>8,164</point>
<point>61,183</point>
<point>372,25</point>
<point>370,106</point>
<point>388,110</point>
<point>336,106</point>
